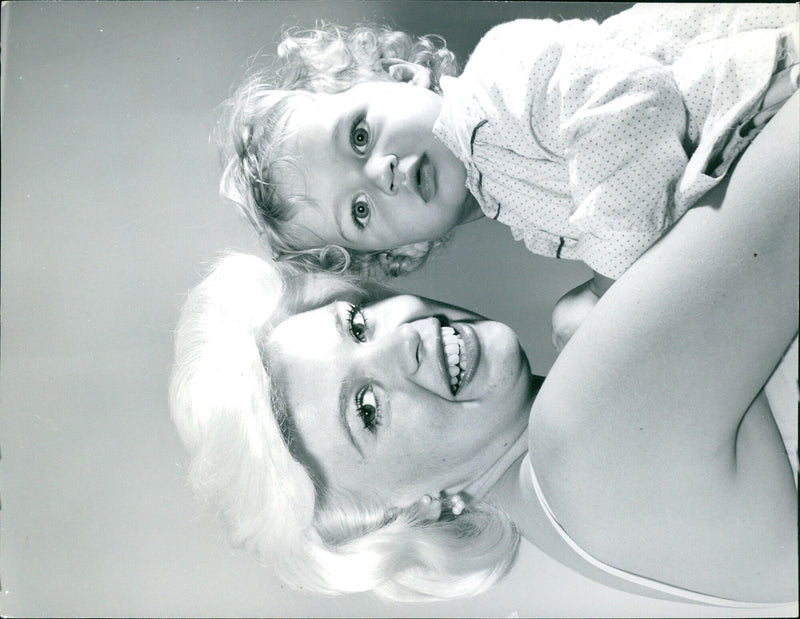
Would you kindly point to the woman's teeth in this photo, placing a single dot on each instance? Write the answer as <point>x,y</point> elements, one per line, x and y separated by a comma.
<point>453,348</point>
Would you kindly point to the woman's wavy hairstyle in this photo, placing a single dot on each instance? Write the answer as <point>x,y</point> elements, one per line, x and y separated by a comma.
<point>245,462</point>
<point>253,129</point>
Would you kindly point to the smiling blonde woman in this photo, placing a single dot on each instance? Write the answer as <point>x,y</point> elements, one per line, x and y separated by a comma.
<point>360,441</point>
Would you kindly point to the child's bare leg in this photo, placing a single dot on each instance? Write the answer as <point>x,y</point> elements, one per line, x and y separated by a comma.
<point>570,311</point>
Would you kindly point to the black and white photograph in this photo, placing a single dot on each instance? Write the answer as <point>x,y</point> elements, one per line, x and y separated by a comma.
<point>402,308</point>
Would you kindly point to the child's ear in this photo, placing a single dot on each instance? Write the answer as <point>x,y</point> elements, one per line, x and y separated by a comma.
<point>408,72</point>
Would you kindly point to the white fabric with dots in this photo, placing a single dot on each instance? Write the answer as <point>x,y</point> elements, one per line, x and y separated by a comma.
<point>589,141</point>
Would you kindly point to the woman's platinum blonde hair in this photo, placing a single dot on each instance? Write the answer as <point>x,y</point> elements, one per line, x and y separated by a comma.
<point>246,464</point>
<point>253,130</point>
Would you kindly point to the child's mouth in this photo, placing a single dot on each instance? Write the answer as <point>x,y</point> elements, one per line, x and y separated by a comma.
<point>426,179</point>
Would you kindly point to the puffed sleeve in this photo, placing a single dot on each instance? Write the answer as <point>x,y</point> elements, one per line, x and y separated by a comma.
<point>621,125</point>
<point>664,31</point>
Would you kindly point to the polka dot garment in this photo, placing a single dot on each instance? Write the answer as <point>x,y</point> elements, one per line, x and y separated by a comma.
<point>589,143</point>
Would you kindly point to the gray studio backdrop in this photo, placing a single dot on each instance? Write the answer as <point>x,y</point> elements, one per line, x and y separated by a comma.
<point>109,213</point>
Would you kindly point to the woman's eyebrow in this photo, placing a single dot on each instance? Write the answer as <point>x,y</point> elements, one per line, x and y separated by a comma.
<point>346,386</point>
<point>341,328</point>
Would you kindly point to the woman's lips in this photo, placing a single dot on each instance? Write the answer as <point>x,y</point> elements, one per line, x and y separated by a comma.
<point>471,354</point>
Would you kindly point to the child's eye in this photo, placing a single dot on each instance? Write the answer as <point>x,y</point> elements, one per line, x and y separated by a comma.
<point>360,212</point>
<point>359,135</point>
<point>357,323</point>
<point>367,408</point>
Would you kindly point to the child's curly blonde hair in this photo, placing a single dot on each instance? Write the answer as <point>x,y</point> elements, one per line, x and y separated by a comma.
<point>328,59</point>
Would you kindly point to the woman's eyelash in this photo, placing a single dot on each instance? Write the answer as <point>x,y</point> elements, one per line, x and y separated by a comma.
<point>357,323</point>
<point>359,135</point>
<point>367,409</point>
<point>365,401</point>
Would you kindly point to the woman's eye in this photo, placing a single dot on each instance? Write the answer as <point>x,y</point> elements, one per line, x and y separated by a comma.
<point>367,409</point>
<point>359,136</point>
<point>357,323</point>
<point>360,212</point>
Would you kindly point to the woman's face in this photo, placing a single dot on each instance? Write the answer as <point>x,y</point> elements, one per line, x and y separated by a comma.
<point>401,397</point>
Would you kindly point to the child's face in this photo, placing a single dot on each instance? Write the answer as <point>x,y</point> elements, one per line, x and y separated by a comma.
<point>368,157</point>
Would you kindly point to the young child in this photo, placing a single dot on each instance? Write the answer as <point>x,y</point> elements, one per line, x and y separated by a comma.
<point>588,140</point>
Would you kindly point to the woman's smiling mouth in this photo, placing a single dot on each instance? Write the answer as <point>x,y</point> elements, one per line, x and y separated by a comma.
<point>453,346</point>
<point>461,351</point>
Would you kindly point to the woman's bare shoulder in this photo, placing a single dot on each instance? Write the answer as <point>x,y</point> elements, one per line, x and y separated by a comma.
<point>644,431</point>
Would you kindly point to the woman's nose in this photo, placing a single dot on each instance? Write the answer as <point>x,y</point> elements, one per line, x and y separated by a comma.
<point>382,171</point>
<point>400,350</point>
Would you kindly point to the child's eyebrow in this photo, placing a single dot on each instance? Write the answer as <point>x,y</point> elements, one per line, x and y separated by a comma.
<point>338,221</point>
<point>336,136</point>
<point>341,198</point>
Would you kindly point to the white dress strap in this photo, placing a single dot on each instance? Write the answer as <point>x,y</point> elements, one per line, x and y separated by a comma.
<point>649,583</point>
<point>782,393</point>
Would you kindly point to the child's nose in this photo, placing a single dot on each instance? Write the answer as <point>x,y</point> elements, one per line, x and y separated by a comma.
<point>382,171</point>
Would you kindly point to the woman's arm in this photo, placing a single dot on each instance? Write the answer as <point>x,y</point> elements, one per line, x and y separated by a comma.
<point>639,435</point>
